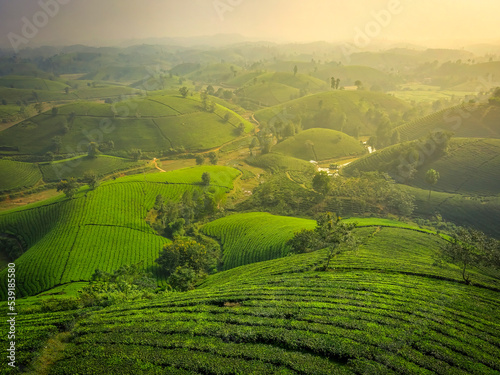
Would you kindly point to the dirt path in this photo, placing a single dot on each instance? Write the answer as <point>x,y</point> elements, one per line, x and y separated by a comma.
<point>157,167</point>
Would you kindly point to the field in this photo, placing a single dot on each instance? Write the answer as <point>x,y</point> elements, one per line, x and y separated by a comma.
<point>16,175</point>
<point>151,124</point>
<point>76,167</point>
<point>319,144</point>
<point>326,110</point>
<point>104,228</point>
<point>255,237</point>
<point>277,162</point>
<point>268,94</point>
<point>380,311</point>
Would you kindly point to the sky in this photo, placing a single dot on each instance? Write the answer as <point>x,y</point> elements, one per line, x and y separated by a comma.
<point>30,23</point>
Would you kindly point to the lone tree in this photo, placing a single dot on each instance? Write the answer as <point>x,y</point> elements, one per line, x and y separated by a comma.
<point>471,248</point>
<point>330,233</point>
<point>431,177</point>
<point>200,159</point>
<point>205,178</point>
<point>91,179</point>
<point>184,91</point>
<point>92,150</point>
<point>68,187</point>
<point>358,84</point>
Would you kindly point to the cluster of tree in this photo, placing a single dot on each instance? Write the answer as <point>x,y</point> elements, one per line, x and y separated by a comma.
<point>212,157</point>
<point>185,261</point>
<point>71,185</point>
<point>330,233</point>
<point>174,219</point>
<point>471,248</point>
<point>334,83</point>
<point>11,247</point>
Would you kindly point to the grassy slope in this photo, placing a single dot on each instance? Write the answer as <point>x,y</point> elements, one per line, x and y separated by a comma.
<point>470,166</point>
<point>76,167</point>
<point>352,104</point>
<point>328,144</point>
<point>16,175</point>
<point>105,228</point>
<point>151,124</point>
<point>381,310</point>
<point>269,94</point>
<point>478,121</point>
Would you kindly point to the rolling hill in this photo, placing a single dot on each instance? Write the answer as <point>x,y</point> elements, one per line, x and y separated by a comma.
<point>383,310</point>
<point>16,175</point>
<point>335,110</point>
<point>268,94</point>
<point>150,124</point>
<point>470,166</point>
<point>319,144</point>
<point>468,120</point>
<point>67,240</point>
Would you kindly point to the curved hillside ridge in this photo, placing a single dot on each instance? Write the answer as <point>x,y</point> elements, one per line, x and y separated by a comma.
<point>103,229</point>
<point>369,315</point>
<point>319,144</point>
<point>150,124</point>
<point>339,110</point>
<point>469,167</point>
<point>472,120</point>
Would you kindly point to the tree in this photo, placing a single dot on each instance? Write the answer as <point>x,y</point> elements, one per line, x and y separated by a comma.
<point>135,154</point>
<point>92,179</point>
<point>200,159</point>
<point>295,70</point>
<point>66,90</point>
<point>358,84</point>
<point>311,144</point>
<point>337,83</point>
<point>240,130</point>
<point>330,233</point>
<point>56,144</point>
<point>92,150</point>
<point>471,248</point>
<point>4,102</point>
<point>321,182</point>
<point>212,156</point>
<point>431,178</point>
<point>227,116</point>
<point>68,187</point>
<point>205,178</point>
<point>332,83</point>
<point>55,111</point>
<point>252,145</point>
<point>183,253</point>
<point>184,91</point>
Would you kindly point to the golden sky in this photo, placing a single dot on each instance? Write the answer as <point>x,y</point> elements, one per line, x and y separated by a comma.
<point>101,22</point>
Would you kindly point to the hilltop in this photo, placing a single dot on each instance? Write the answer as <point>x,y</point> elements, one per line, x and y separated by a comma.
<point>338,110</point>
<point>319,144</point>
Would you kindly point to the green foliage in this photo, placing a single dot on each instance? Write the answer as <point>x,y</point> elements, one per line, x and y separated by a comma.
<point>16,175</point>
<point>91,179</point>
<point>184,91</point>
<point>321,182</point>
<point>200,159</point>
<point>68,187</point>
<point>471,248</point>
<point>205,178</point>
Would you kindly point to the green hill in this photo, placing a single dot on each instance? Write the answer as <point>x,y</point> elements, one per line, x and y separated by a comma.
<point>76,167</point>
<point>370,78</point>
<point>268,94</point>
<point>150,124</point>
<point>278,162</point>
<point>468,120</point>
<point>470,166</point>
<point>319,144</point>
<point>298,81</point>
<point>254,237</point>
<point>214,73</point>
<point>67,240</point>
<point>384,309</point>
<point>337,110</point>
<point>16,175</point>
<point>31,83</point>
